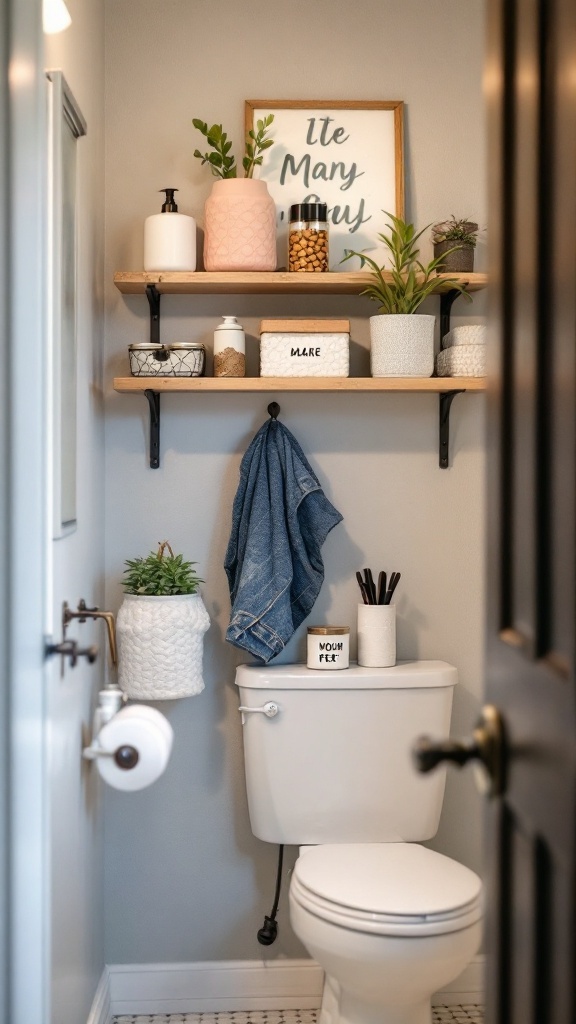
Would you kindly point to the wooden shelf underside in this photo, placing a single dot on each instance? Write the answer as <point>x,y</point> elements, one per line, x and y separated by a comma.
<point>253,283</point>
<point>434,385</point>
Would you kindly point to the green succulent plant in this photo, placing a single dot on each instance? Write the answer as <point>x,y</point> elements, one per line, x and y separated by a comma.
<point>160,575</point>
<point>464,231</point>
<point>221,162</point>
<point>410,282</point>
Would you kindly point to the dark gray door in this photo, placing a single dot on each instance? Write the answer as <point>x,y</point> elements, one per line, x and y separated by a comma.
<point>531,84</point>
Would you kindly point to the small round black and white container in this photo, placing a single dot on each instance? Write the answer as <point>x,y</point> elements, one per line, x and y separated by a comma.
<point>328,647</point>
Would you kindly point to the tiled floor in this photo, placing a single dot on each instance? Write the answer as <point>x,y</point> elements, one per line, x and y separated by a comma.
<point>440,1015</point>
<point>458,1014</point>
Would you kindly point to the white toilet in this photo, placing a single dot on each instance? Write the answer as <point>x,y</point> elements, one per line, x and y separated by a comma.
<point>328,768</point>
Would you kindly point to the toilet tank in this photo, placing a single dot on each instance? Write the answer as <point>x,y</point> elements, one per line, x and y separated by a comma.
<point>334,764</point>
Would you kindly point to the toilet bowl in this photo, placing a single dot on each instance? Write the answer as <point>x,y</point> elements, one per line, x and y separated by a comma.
<point>390,924</point>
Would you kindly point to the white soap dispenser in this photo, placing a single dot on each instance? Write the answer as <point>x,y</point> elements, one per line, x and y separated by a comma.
<point>169,238</point>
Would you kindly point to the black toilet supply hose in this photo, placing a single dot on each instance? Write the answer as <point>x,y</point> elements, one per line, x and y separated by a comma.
<point>266,935</point>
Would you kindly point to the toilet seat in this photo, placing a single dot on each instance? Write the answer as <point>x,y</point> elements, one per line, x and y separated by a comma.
<point>387,889</point>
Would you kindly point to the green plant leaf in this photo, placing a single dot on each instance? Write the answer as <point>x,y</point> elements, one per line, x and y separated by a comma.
<point>159,574</point>
<point>411,281</point>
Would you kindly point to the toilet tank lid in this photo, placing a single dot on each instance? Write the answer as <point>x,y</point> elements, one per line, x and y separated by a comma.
<point>404,675</point>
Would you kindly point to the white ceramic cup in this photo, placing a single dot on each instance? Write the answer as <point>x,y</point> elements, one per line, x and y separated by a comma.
<point>377,635</point>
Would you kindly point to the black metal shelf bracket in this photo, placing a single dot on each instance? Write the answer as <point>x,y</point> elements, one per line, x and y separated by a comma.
<point>447,300</point>
<point>446,399</point>
<point>154,403</point>
<point>153,296</point>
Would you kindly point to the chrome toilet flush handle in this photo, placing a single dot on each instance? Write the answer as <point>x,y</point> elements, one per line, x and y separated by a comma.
<point>270,709</point>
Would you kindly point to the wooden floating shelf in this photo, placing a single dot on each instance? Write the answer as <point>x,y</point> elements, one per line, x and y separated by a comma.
<point>156,284</point>
<point>436,385</point>
<point>253,283</point>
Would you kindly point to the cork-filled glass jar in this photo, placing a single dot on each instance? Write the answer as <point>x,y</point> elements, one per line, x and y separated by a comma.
<point>308,238</point>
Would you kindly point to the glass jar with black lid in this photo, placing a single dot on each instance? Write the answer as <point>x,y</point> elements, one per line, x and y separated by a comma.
<point>308,238</point>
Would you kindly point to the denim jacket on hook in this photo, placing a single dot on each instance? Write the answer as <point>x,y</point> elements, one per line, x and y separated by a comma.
<point>280,519</point>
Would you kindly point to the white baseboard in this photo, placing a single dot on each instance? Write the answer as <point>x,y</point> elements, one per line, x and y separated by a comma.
<point>101,1011</point>
<point>218,986</point>
<point>215,986</point>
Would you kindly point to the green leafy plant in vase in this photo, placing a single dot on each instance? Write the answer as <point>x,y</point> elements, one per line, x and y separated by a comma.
<point>455,241</point>
<point>221,162</point>
<point>160,627</point>
<point>402,344</point>
<point>240,214</point>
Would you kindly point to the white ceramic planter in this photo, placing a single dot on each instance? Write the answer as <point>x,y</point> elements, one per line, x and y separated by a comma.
<point>402,345</point>
<point>160,641</point>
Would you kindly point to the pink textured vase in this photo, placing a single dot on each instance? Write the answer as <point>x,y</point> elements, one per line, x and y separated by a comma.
<point>240,226</point>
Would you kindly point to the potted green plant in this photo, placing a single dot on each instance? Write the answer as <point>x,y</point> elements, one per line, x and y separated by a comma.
<point>402,344</point>
<point>160,627</point>
<point>240,214</point>
<point>455,240</point>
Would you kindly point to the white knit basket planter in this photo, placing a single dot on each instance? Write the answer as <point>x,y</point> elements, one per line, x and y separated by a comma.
<point>160,642</point>
<point>402,345</point>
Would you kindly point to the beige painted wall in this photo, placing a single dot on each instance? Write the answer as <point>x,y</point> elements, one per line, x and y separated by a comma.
<point>76,824</point>
<point>186,880</point>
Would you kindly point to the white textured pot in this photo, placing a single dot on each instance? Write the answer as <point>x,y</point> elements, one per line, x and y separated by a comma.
<point>402,345</point>
<point>160,642</point>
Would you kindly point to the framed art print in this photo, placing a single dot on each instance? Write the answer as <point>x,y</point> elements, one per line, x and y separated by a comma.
<point>345,153</point>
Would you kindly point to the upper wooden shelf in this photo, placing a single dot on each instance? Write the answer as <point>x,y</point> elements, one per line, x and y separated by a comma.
<point>253,283</point>
<point>436,385</point>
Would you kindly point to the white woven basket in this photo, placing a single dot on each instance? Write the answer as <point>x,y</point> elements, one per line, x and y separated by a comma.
<point>160,642</point>
<point>462,361</point>
<point>465,334</point>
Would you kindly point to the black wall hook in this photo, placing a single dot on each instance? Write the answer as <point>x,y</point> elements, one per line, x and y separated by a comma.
<point>274,409</point>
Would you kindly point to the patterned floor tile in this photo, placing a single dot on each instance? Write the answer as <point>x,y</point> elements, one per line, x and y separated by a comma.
<point>467,1014</point>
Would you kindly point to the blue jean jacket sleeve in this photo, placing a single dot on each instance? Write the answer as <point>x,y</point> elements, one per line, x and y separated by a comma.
<point>280,520</point>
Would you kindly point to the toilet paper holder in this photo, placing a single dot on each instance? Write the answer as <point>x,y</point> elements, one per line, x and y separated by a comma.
<point>130,746</point>
<point>110,702</point>
<point>126,757</point>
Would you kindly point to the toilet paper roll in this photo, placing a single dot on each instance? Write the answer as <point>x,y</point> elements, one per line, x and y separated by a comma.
<point>147,732</point>
<point>377,635</point>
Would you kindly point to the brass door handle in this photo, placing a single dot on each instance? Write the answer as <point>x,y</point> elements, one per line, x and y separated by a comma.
<point>486,747</point>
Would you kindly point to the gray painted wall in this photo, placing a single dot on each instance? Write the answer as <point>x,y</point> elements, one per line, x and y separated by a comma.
<point>76,807</point>
<point>186,880</point>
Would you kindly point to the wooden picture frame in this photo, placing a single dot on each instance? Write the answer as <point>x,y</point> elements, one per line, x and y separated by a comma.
<point>348,154</point>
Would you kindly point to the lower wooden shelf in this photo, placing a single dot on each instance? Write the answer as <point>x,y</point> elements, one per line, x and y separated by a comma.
<point>152,387</point>
<point>185,384</point>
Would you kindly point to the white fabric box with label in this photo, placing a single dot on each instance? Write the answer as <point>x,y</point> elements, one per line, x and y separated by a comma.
<point>304,348</point>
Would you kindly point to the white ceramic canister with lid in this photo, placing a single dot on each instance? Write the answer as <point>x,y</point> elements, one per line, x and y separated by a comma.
<point>328,647</point>
<point>229,349</point>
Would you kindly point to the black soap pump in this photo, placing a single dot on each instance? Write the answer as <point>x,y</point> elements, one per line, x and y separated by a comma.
<point>169,238</point>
